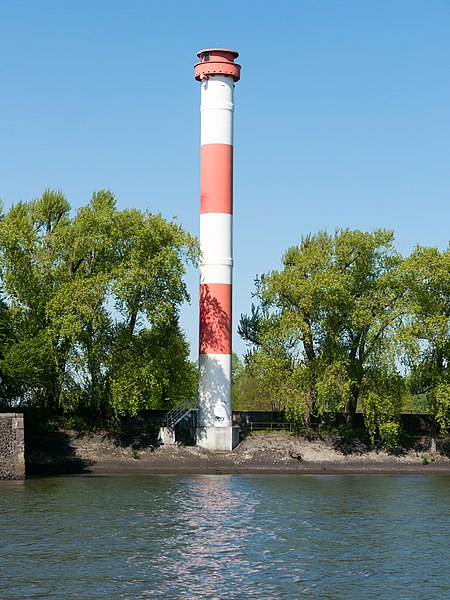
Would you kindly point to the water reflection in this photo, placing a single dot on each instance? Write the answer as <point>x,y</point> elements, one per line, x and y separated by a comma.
<point>204,549</point>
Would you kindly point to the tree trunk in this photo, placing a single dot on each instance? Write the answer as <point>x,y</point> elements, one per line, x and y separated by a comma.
<point>350,416</point>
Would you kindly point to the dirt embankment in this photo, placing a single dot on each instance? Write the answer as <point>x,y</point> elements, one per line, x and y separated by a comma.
<point>69,452</point>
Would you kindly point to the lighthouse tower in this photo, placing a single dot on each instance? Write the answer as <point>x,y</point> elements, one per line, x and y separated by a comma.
<point>217,73</point>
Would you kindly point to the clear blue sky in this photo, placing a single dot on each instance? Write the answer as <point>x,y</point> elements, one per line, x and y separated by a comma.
<point>342,116</point>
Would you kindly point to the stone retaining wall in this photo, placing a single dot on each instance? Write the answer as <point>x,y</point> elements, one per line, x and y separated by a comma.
<point>12,446</point>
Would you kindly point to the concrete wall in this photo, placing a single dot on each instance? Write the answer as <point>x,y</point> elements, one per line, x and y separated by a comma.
<point>12,446</point>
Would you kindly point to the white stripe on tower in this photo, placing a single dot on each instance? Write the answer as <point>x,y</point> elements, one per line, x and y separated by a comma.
<point>217,72</point>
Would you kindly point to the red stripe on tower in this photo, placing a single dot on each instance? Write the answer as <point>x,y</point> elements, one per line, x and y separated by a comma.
<point>216,178</point>
<point>215,318</point>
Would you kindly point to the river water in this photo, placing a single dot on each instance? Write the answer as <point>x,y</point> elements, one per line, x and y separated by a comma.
<point>220,536</point>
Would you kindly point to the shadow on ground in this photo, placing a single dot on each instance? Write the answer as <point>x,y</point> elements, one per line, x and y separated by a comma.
<point>360,444</point>
<point>140,436</point>
<point>348,445</point>
<point>443,446</point>
<point>51,452</point>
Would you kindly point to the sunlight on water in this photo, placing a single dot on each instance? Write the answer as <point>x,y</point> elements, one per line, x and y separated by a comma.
<point>226,537</point>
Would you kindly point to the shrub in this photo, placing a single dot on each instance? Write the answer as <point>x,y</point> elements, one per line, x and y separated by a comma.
<point>389,433</point>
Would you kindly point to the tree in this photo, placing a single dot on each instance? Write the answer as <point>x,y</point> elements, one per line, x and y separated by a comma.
<point>330,313</point>
<point>262,383</point>
<point>426,332</point>
<point>7,339</point>
<point>86,290</point>
<point>151,371</point>
<point>30,259</point>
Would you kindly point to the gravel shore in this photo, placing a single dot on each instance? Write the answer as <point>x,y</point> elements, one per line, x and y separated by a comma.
<point>270,453</point>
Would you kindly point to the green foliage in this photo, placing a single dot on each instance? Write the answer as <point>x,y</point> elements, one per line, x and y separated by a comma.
<point>329,316</point>
<point>425,333</point>
<point>333,389</point>
<point>379,414</point>
<point>152,371</point>
<point>389,435</point>
<point>63,274</point>
<point>442,407</point>
<point>7,339</point>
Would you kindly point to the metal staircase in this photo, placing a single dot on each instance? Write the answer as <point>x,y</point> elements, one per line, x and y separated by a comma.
<point>173,418</point>
<point>176,415</point>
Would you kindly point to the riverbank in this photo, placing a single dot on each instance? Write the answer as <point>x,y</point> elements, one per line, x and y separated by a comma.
<point>262,453</point>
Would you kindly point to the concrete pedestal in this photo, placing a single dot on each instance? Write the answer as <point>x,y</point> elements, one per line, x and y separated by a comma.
<point>167,436</point>
<point>218,439</point>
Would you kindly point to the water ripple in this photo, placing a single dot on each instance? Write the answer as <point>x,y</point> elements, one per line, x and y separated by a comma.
<point>226,537</point>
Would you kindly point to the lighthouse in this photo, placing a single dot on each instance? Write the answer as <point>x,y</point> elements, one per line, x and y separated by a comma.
<point>217,73</point>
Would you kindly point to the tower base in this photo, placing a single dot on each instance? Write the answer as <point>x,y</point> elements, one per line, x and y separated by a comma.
<point>218,439</point>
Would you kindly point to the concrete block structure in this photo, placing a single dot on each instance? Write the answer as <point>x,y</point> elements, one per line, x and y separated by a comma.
<point>12,446</point>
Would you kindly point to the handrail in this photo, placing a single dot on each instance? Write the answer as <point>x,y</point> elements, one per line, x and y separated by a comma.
<point>174,416</point>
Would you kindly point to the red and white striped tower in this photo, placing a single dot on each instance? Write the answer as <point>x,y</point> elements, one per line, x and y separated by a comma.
<point>217,73</point>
